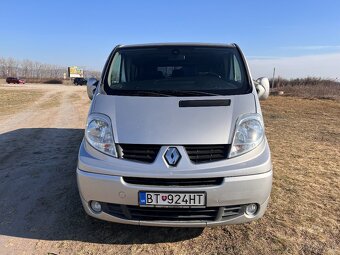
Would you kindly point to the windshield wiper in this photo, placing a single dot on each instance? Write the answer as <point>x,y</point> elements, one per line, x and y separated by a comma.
<point>164,93</point>
<point>141,93</point>
<point>184,93</point>
<point>200,93</point>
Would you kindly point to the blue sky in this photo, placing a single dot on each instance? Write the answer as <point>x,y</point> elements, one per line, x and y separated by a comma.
<point>84,32</point>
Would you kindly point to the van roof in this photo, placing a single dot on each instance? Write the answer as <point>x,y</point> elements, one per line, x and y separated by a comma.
<point>177,44</point>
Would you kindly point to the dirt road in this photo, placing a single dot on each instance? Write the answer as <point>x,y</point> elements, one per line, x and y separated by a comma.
<point>38,158</point>
<point>41,127</point>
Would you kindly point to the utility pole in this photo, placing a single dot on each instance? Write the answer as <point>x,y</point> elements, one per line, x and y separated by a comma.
<point>273,80</point>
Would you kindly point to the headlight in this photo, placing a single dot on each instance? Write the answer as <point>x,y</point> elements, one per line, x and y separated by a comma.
<point>99,134</point>
<point>249,133</point>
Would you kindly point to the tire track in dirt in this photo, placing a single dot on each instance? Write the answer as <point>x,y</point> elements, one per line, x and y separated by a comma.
<point>29,117</point>
<point>33,118</point>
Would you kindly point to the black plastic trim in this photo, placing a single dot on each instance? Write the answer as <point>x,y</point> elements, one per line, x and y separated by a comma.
<point>175,214</point>
<point>204,103</point>
<point>191,182</point>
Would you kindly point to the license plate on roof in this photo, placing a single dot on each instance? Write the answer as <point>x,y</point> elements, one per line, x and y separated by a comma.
<point>172,199</point>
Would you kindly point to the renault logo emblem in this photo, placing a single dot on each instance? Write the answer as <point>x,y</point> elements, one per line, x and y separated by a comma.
<point>172,156</point>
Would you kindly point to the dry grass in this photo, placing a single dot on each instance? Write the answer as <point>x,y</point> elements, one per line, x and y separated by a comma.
<point>52,101</point>
<point>304,136</point>
<point>15,100</point>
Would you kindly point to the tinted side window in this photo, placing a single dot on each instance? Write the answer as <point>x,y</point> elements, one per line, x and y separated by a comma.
<point>115,69</point>
<point>235,70</point>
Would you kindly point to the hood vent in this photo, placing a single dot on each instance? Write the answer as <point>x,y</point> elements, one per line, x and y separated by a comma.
<point>204,103</point>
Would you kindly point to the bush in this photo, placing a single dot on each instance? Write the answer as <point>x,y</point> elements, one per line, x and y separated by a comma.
<point>46,81</point>
<point>309,81</point>
<point>310,87</point>
<point>53,81</point>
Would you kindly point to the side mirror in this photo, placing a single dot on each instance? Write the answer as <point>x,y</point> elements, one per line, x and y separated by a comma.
<point>92,84</point>
<point>262,87</point>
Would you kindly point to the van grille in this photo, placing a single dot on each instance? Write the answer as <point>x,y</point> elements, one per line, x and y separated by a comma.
<point>140,152</point>
<point>207,153</point>
<point>147,153</point>
<point>174,182</point>
<point>131,212</point>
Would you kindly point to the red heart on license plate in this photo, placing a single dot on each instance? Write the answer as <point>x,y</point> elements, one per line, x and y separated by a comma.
<point>164,198</point>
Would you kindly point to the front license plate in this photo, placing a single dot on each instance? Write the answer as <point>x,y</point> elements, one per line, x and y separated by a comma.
<point>172,199</point>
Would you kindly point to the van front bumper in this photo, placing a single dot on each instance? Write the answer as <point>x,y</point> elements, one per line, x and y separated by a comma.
<point>236,191</point>
<point>101,178</point>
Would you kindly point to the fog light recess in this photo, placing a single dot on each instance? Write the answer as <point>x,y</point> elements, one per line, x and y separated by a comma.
<point>96,206</point>
<point>251,209</point>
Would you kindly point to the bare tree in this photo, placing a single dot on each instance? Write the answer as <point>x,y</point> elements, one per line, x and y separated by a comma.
<point>11,67</point>
<point>2,67</point>
<point>35,70</point>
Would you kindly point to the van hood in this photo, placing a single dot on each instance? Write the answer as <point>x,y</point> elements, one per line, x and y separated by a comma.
<point>160,120</point>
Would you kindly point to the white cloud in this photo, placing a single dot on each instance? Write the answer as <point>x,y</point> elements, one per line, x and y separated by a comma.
<point>325,66</point>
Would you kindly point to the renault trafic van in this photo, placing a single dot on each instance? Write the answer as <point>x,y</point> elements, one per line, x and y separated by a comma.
<point>175,137</point>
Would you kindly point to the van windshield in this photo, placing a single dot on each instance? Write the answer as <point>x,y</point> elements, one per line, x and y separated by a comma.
<point>176,71</point>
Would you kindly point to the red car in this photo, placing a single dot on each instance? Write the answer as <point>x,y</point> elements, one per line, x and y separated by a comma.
<point>15,80</point>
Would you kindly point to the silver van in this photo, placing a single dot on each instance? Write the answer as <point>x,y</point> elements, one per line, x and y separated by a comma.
<point>175,137</point>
